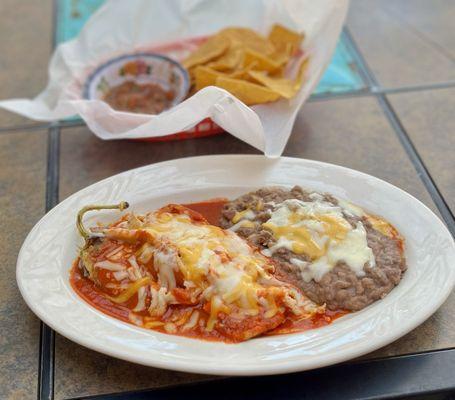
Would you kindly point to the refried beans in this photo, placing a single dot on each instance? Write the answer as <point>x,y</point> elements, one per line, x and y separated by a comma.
<point>341,286</point>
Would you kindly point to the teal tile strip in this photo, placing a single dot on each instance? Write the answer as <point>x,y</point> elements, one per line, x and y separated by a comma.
<point>341,75</point>
<point>72,15</point>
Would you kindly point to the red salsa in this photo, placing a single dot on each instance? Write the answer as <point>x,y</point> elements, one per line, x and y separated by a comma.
<point>148,98</point>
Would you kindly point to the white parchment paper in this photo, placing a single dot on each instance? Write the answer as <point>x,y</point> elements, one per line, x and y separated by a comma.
<point>125,26</point>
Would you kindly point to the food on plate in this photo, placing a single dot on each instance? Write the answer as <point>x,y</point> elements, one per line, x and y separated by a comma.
<point>145,98</point>
<point>272,261</point>
<point>254,68</point>
<point>171,270</point>
<point>337,253</point>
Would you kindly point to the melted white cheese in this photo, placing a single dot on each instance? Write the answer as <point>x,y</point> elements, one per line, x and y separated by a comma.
<point>294,223</point>
<point>213,264</point>
<point>316,196</point>
<point>120,275</point>
<point>217,262</point>
<point>109,265</point>
<point>350,208</point>
<point>242,224</point>
<point>114,252</point>
<point>141,296</point>
<point>282,242</point>
<point>165,263</point>
<point>192,321</point>
<point>353,250</point>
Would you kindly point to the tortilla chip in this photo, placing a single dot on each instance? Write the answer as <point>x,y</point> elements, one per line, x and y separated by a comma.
<point>243,73</point>
<point>248,92</point>
<point>285,40</point>
<point>248,38</point>
<point>283,86</point>
<point>205,76</point>
<point>214,47</point>
<point>286,88</point>
<point>261,61</point>
<point>247,64</point>
<point>279,73</point>
<point>230,60</point>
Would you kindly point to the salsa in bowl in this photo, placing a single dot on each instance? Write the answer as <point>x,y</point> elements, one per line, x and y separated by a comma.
<point>144,83</point>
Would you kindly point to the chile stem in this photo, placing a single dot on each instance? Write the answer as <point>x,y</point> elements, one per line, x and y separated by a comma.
<point>84,232</point>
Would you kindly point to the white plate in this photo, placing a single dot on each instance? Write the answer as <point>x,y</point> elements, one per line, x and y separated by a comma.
<point>48,251</point>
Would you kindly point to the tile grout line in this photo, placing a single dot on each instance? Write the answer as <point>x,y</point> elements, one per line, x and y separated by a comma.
<point>405,140</point>
<point>376,90</point>
<point>365,92</point>
<point>415,88</point>
<point>24,127</point>
<point>47,335</point>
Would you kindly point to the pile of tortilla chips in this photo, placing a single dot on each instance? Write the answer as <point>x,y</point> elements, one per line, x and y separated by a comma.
<point>248,65</point>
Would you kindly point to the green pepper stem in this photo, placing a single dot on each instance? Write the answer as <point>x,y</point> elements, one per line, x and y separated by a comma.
<point>84,232</point>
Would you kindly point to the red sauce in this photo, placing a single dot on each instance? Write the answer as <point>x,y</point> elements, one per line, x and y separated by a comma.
<point>87,289</point>
<point>316,321</point>
<point>211,210</point>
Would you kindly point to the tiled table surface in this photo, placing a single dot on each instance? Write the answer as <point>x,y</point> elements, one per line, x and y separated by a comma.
<point>410,51</point>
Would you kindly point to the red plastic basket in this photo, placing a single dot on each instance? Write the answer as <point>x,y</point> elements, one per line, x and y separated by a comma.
<point>204,128</point>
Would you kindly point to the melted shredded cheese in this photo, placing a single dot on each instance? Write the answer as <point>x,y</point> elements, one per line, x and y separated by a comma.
<point>109,265</point>
<point>117,250</point>
<point>242,224</point>
<point>141,296</point>
<point>192,322</point>
<point>217,269</point>
<point>120,275</point>
<point>382,226</point>
<point>350,208</point>
<point>130,291</point>
<point>217,262</point>
<point>245,214</point>
<point>320,231</point>
<point>159,301</point>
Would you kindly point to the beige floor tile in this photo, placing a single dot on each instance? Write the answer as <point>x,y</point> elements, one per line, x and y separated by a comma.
<point>405,42</point>
<point>22,196</point>
<point>429,119</point>
<point>25,48</point>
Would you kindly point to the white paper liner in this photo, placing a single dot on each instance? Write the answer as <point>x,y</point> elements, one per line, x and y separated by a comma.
<point>121,27</point>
